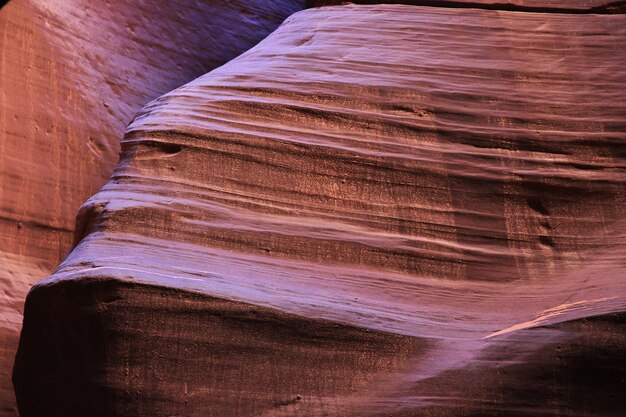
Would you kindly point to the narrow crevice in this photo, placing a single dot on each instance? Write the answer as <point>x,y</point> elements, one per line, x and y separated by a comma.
<point>170,148</point>
<point>617,7</point>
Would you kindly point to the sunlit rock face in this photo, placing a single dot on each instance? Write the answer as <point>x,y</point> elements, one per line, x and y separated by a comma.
<point>380,210</point>
<point>72,74</point>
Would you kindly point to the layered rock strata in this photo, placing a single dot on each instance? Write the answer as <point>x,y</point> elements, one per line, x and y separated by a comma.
<point>72,74</point>
<point>541,6</point>
<point>382,210</point>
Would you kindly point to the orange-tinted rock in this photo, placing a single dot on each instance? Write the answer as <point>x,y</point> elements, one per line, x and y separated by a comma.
<point>378,211</point>
<point>72,74</point>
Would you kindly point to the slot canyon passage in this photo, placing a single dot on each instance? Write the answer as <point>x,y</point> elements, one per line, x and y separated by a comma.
<point>379,210</point>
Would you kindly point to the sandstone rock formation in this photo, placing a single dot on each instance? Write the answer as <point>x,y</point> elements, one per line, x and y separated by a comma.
<point>384,210</point>
<point>72,74</point>
<point>549,6</point>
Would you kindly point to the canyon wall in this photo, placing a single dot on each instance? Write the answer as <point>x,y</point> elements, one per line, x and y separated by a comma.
<point>542,6</point>
<point>72,74</point>
<point>380,210</point>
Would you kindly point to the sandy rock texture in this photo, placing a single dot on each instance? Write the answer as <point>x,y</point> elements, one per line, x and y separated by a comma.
<point>380,210</point>
<point>548,6</point>
<point>72,74</point>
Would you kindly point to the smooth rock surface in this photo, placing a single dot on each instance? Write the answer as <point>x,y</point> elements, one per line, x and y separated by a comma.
<point>378,211</point>
<point>72,74</point>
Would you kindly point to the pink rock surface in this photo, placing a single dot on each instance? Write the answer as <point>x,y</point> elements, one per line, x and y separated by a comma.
<point>560,6</point>
<point>378,211</point>
<point>72,74</point>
